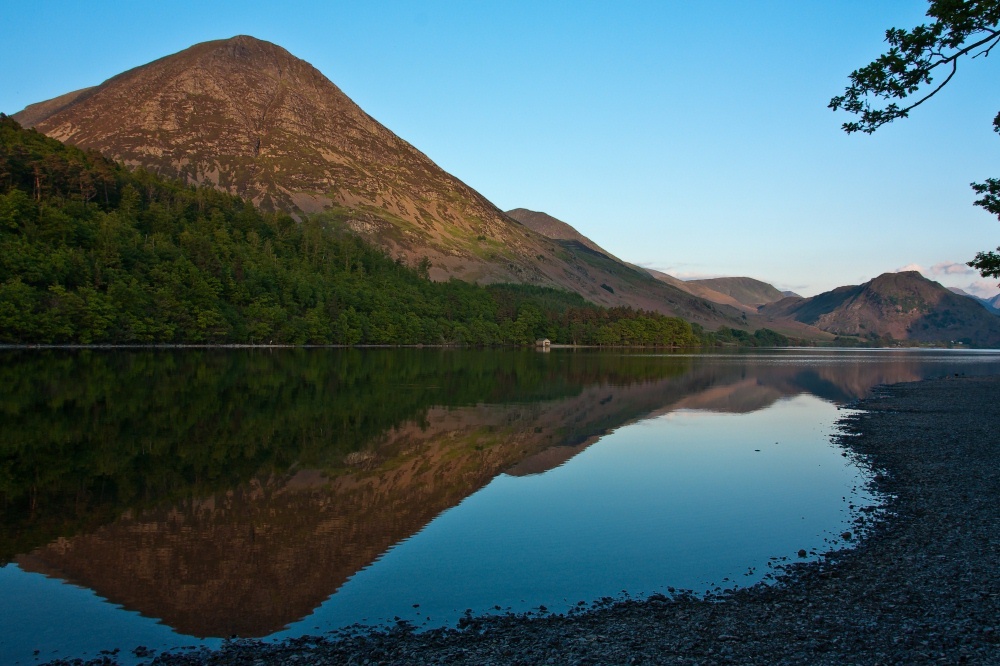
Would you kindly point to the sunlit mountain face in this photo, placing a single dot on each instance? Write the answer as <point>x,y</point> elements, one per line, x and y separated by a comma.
<point>249,118</point>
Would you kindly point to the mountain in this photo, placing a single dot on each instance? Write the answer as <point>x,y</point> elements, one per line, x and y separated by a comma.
<point>743,293</point>
<point>701,291</point>
<point>645,279</point>
<point>904,306</point>
<point>251,119</point>
<point>745,290</point>
<point>155,261</point>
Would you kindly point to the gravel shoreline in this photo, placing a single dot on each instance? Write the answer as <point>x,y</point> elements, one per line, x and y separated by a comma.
<point>922,586</point>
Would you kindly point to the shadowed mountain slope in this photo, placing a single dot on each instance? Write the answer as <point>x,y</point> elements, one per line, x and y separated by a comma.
<point>744,293</point>
<point>904,306</point>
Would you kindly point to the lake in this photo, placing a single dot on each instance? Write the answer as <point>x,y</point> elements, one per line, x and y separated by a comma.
<point>167,498</point>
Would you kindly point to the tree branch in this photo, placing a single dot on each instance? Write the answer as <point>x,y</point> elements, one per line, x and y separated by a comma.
<point>903,112</point>
<point>986,52</point>
<point>958,54</point>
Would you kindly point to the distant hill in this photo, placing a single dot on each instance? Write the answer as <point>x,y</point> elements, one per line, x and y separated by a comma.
<point>746,294</point>
<point>643,279</point>
<point>903,306</point>
<point>750,314</point>
<point>745,290</point>
<point>251,119</point>
<point>702,291</point>
<point>990,304</point>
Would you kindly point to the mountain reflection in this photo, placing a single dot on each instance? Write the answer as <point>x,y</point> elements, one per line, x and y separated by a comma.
<point>231,492</point>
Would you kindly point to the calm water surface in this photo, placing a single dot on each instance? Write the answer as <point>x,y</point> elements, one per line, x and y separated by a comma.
<point>173,498</point>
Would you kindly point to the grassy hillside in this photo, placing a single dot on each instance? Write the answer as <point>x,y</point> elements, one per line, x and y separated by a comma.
<point>747,291</point>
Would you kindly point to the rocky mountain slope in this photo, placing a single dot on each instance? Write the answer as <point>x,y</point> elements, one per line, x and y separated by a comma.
<point>249,118</point>
<point>725,291</point>
<point>904,306</point>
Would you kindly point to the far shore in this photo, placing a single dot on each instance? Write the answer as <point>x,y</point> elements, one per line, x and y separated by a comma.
<point>530,347</point>
<point>921,586</point>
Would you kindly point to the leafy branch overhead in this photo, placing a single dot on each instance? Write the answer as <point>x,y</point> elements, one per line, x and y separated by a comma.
<point>917,59</point>
<point>921,62</point>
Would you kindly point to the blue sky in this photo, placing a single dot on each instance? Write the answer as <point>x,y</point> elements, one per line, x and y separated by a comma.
<point>691,137</point>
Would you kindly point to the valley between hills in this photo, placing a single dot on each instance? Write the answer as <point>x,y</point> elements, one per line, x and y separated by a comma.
<point>247,119</point>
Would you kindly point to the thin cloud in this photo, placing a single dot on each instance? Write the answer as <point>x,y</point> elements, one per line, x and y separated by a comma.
<point>950,268</point>
<point>983,288</point>
<point>941,268</point>
<point>797,288</point>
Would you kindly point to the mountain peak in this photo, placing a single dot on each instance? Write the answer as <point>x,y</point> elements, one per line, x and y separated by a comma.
<point>242,114</point>
<point>904,306</point>
<point>244,47</point>
<point>249,41</point>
